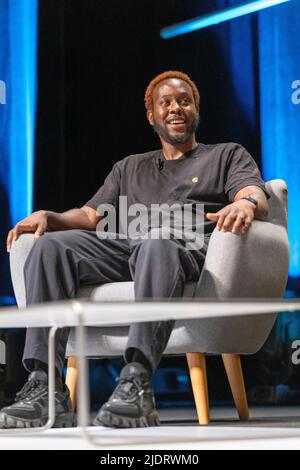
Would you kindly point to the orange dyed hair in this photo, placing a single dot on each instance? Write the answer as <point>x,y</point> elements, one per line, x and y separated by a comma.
<point>164,76</point>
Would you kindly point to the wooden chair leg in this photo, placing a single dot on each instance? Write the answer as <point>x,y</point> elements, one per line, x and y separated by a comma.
<point>197,367</point>
<point>233,367</point>
<point>71,378</point>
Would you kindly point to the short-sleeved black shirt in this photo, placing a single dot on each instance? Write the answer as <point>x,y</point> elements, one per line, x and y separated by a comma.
<point>208,174</point>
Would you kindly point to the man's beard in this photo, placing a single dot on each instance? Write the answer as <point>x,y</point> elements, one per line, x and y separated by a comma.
<point>179,139</point>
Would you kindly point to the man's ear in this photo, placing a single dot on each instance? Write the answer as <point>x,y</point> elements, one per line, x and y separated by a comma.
<point>150,118</point>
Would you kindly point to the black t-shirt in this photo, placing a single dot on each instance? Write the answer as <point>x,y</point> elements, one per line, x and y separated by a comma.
<point>209,174</point>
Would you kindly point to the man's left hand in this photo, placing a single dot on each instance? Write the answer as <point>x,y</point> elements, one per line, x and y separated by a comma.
<point>236,216</point>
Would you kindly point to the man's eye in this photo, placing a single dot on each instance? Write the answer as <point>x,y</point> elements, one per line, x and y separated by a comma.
<point>165,103</point>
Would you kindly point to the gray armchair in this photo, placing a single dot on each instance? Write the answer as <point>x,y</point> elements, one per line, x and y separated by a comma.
<point>246,266</point>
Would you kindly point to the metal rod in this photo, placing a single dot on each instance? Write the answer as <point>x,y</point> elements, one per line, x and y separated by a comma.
<point>83,394</point>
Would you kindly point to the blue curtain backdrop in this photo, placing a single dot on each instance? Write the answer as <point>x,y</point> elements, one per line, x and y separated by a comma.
<point>238,42</point>
<point>279,67</point>
<point>262,54</point>
<point>18,31</point>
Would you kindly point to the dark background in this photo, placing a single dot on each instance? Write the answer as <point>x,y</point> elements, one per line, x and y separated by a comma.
<point>95,60</point>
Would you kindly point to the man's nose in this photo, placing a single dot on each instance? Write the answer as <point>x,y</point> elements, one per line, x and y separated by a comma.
<point>175,107</point>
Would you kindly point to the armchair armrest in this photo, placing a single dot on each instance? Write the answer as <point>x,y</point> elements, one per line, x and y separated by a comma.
<point>250,265</point>
<point>20,249</point>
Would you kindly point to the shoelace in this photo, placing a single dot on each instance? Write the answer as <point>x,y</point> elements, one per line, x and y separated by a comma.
<point>29,390</point>
<point>137,387</point>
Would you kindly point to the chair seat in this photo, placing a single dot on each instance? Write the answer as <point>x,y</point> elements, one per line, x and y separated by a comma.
<point>121,291</point>
<point>186,336</point>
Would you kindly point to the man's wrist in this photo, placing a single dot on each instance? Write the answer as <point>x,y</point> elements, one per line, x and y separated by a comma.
<point>51,219</point>
<point>252,200</point>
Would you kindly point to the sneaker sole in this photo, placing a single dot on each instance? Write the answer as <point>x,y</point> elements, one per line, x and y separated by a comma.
<point>66,420</point>
<point>108,419</point>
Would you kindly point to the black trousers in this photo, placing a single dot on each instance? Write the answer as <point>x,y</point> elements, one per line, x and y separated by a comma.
<point>61,262</point>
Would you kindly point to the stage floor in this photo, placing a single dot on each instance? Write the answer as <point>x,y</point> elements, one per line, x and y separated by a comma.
<point>269,428</point>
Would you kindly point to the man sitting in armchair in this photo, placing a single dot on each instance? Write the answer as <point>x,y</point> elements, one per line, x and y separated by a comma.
<point>221,182</point>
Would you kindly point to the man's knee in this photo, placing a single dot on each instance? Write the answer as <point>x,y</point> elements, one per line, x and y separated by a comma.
<point>45,249</point>
<point>160,247</point>
<point>46,241</point>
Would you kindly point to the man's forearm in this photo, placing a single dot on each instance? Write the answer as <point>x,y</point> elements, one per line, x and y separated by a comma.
<point>72,219</point>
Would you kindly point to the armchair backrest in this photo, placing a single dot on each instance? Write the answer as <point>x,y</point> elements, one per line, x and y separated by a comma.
<point>278,213</point>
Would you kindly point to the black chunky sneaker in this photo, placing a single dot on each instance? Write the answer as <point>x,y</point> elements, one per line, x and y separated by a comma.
<point>30,409</point>
<point>132,403</point>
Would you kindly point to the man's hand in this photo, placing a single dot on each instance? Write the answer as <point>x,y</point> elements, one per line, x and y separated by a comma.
<point>36,222</point>
<point>238,215</point>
